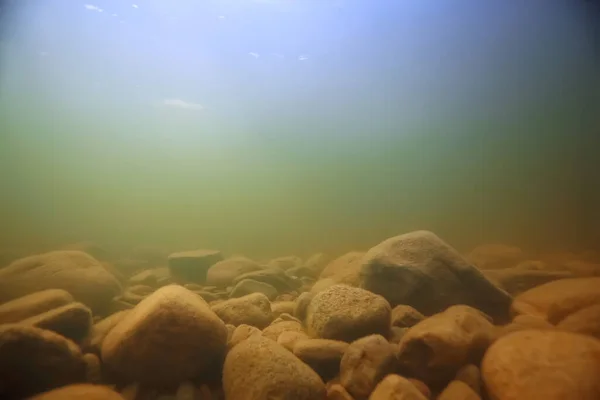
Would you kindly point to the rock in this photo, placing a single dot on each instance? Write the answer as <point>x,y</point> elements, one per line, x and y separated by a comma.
<point>274,277</point>
<point>136,293</point>
<point>555,300</point>
<point>337,392</point>
<point>154,277</point>
<point>280,307</point>
<point>524,322</point>
<point>435,348</point>
<point>259,368</point>
<point>241,333</point>
<point>406,316</point>
<point>543,365</point>
<point>93,368</point>
<point>365,363</point>
<point>322,355</point>
<point>193,265</point>
<point>253,309</point>
<point>285,263</point>
<point>423,388</point>
<point>129,266</point>
<point>289,339</point>
<point>396,387</point>
<point>301,306</point>
<point>33,304</point>
<point>471,376</point>
<point>91,248</point>
<point>585,321</point>
<point>34,360</point>
<point>223,273</point>
<point>326,283</point>
<point>248,286</point>
<point>344,269</point>
<point>80,392</point>
<point>458,390</point>
<point>406,269</point>
<point>316,263</point>
<point>516,281</point>
<point>169,337</point>
<point>495,256</point>
<point>279,326</point>
<point>72,321</point>
<point>100,330</point>
<point>76,272</point>
<point>152,255</point>
<point>186,391</point>
<point>347,313</point>
<point>396,334</point>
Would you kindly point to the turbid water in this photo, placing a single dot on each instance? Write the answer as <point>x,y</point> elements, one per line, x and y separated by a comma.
<point>277,199</point>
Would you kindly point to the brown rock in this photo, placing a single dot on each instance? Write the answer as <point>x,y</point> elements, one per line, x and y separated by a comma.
<point>542,365</point>
<point>259,368</point>
<point>405,316</point>
<point>396,387</point>
<point>495,256</point>
<point>280,307</point>
<point>585,321</point>
<point>78,273</point>
<point>344,269</point>
<point>434,349</point>
<point>33,304</point>
<point>100,330</point>
<point>555,300</point>
<point>289,339</point>
<point>365,363</point>
<point>396,334</point>
<point>253,309</point>
<point>337,392</point>
<point>322,355</point>
<point>223,273</point>
<point>169,337</point>
<point>241,333</point>
<point>80,392</point>
<point>34,360</point>
<point>407,269</point>
<point>458,390</point>
<point>279,326</point>
<point>524,322</point>
<point>72,321</point>
<point>347,313</point>
<point>471,376</point>
<point>193,265</point>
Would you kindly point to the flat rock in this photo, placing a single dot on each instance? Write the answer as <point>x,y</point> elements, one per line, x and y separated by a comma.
<point>407,269</point>
<point>253,309</point>
<point>365,363</point>
<point>192,266</point>
<point>223,273</point>
<point>33,304</point>
<point>34,360</point>
<point>72,321</point>
<point>169,337</point>
<point>248,286</point>
<point>543,365</point>
<point>76,272</point>
<point>80,392</point>
<point>259,368</point>
<point>434,349</point>
<point>347,313</point>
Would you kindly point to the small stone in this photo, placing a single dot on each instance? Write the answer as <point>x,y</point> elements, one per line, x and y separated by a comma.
<point>279,326</point>
<point>248,286</point>
<point>346,313</point>
<point>280,307</point>
<point>337,392</point>
<point>396,387</point>
<point>458,390</point>
<point>288,339</point>
<point>253,309</point>
<point>241,333</point>
<point>365,363</point>
<point>100,329</point>
<point>405,316</point>
<point>322,355</point>
<point>470,375</point>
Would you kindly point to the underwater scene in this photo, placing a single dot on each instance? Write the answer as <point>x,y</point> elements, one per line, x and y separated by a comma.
<point>299,200</point>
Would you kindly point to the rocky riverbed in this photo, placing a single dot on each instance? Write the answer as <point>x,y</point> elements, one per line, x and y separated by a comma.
<point>411,318</point>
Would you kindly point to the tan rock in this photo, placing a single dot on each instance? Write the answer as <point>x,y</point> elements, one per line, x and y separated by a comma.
<point>76,272</point>
<point>458,390</point>
<point>93,368</point>
<point>169,337</point>
<point>347,313</point>
<point>280,307</point>
<point>279,326</point>
<point>471,376</point>
<point>495,256</point>
<point>253,309</point>
<point>34,360</point>
<point>396,387</point>
<point>435,348</point>
<point>344,269</point>
<point>288,339</point>
<point>72,321</point>
<point>322,355</point>
<point>542,365</point>
<point>405,316</point>
<point>223,273</point>
<point>337,392</point>
<point>259,368</point>
<point>100,329</point>
<point>365,363</point>
<point>80,392</point>
<point>585,321</point>
<point>33,304</point>
<point>241,333</point>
